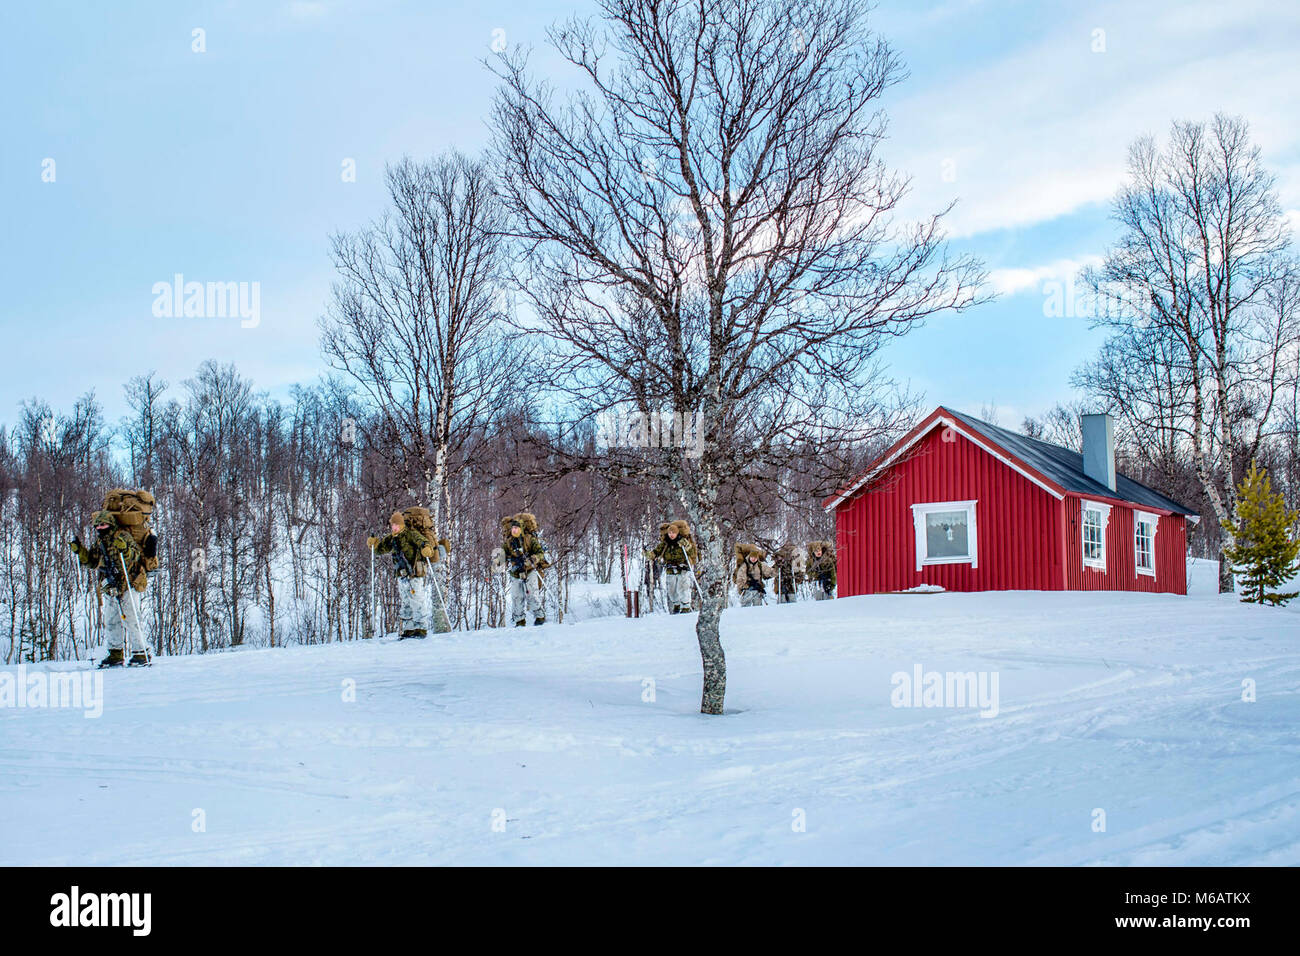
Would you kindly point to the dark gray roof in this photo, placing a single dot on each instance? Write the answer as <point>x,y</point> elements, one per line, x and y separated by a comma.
<point>1065,467</point>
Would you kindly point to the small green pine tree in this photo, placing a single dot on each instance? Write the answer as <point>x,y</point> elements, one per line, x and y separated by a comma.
<point>1264,553</point>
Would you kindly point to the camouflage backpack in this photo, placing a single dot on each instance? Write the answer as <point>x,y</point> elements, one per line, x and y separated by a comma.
<point>420,520</point>
<point>132,509</point>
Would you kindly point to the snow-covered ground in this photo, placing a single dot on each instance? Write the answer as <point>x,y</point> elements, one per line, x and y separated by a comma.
<point>546,745</point>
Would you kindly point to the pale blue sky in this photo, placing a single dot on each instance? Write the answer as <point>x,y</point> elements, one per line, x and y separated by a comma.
<point>225,165</point>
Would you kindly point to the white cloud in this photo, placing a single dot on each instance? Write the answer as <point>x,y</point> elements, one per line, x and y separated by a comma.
<point>1045,131</point>
<point>1293,220</point>
<point>1009,281</point>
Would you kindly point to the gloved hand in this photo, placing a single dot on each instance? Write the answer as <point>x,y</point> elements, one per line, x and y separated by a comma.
<point>427,551</point>
<point>76,546</point>
<point>371,542</point>
<point>528,564</point>
<point>648,554</point>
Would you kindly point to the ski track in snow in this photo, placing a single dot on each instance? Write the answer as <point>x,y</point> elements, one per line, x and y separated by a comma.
<point>1125,702</point>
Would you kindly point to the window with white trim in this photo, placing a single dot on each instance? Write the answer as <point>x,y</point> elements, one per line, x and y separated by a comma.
<point>1092,532</point>
<point>946,533</point>
<point>1144,542</point>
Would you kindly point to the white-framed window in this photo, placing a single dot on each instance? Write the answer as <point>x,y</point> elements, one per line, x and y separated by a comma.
<point>1092,532</point>
<point>1145,526</point>
<point>946,533</point>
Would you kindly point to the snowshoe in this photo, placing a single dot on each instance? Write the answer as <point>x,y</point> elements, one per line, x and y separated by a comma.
<point>139,660</point>
<point>538,621</point>
<point>115,658</point>
<point>416,632</point>
<point>521,623</point>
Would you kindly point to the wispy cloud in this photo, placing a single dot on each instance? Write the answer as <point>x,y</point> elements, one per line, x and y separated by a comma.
<point>1293,220</point>
<point>1032,135</point>
<point>1013,280</point>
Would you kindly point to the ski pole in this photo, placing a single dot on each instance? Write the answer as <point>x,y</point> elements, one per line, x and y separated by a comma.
<point>652,584</point>
<point>374,607</point>
<point>499,562</point>
<point>442,598</point>
<point>691,567</point>
<point>641,584</point>
<point>135,606</point>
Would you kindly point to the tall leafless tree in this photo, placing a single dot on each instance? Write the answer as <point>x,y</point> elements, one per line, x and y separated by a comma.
<point>706,229</point>
<point>1203,342</point>
<point>415,320</point>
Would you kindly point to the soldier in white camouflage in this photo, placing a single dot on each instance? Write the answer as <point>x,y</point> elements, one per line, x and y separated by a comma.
<point>821,569</point>
<point>411,552</point>
<point>789,573</point>
<point>676,550</point>
<point>525,558</point>
<point>752,574</point>
<point>120,562</point>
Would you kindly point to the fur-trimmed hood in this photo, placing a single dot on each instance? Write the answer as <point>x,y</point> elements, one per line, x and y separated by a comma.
<point>683,529</point>
<point>828,549</point>
<point>525,519</point>
<point>743,551</point>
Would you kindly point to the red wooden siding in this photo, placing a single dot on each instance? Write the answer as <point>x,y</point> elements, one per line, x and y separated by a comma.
<point>1018,524</point>
<point>1026,537</point>
<point>1121,555</point>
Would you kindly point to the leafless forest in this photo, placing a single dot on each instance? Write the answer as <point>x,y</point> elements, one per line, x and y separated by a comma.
<point>264,507</point>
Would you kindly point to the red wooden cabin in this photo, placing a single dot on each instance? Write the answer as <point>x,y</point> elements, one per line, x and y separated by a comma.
<point>968,506</point>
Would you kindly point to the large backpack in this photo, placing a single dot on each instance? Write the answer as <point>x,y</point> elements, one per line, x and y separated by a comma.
<point>133,508</point>
<point>420,519</point>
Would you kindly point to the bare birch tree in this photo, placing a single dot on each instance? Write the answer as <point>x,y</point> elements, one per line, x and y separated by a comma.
<point>414,319</point>
<point>707,231</point>
<point>415,323</point>
<point>1204,334</point>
